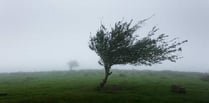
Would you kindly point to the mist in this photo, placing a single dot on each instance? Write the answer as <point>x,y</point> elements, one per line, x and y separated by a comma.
<point>43,35</point>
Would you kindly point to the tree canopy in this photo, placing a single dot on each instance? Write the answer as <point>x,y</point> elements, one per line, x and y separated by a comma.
<point>120,45</point>
<point>72,64</point>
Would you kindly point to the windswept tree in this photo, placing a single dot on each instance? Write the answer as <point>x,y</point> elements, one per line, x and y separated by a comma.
<point>72,64</point>
<point>121,45</point>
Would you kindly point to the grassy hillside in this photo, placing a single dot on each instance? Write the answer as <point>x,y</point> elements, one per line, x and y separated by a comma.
<point>123,87</point>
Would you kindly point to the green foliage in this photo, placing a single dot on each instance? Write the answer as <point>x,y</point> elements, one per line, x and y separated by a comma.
<point>121,46</point>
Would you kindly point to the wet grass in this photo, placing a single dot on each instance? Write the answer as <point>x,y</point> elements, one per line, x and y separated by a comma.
<point>123,87</point>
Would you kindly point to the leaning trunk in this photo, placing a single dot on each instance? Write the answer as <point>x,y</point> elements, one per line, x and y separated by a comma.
<point>104,81</point>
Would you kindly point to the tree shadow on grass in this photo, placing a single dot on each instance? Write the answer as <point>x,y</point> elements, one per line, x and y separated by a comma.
<point>117,88</point>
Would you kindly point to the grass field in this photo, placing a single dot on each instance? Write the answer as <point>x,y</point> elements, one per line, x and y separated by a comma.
<point>123,87</point>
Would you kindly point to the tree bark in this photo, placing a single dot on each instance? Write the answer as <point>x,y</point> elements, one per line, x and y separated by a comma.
<point>104,81</point>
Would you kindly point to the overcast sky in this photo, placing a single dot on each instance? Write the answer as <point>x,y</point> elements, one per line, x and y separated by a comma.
<point>45,34</point>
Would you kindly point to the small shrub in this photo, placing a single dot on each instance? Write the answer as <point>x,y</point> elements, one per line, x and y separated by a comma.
<point>3,94</point>
<point>178,89</point>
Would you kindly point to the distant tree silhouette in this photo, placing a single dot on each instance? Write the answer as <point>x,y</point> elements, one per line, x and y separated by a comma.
<point>72,64</point>
<point>121,46</point>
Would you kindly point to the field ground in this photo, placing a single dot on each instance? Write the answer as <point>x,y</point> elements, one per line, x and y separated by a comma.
<point>124,86</point>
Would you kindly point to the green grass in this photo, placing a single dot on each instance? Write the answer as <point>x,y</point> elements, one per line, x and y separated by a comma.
<point>79,87</point>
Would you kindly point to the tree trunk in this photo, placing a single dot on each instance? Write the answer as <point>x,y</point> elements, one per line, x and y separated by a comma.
<point>104,81</point>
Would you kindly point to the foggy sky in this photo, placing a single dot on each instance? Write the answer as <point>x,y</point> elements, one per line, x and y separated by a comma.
<point>44,35</point>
